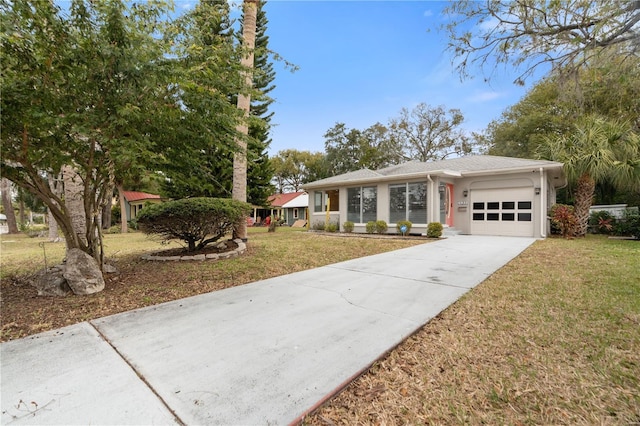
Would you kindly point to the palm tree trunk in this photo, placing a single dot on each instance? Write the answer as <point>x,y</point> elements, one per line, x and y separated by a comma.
<point>585,191</point>
<point>244,103</point>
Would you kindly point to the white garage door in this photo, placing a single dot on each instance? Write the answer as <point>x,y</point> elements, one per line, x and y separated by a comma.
<point>502,212</point>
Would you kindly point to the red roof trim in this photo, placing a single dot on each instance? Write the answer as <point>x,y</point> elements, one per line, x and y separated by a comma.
<point>137,196</point>
<point>279,200</point>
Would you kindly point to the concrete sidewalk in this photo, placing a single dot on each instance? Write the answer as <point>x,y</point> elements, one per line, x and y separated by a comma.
<point>261,353</point>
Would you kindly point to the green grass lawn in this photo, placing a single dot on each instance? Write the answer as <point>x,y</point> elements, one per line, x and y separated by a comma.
<point>551,338</point>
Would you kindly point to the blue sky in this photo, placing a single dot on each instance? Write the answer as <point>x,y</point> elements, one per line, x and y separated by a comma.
<point>360,62</point>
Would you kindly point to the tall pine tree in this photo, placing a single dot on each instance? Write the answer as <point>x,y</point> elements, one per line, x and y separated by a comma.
<point>213,177</point>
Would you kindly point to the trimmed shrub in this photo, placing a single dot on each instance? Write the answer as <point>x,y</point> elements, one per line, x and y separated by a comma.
<point>434,230</point>
<point>371,227</point>
<point>331,227</point>
<point>564,219</point>
<point>381,227</point>
<point>348,227</point>
<point>318,226</point>
<point>196,221</point>
<point>405,223</point>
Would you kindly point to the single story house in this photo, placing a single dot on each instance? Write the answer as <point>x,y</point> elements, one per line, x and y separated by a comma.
<point>291,207</point>
<point>134,202</point>
<point>296,209</point>
<point>478,195</point>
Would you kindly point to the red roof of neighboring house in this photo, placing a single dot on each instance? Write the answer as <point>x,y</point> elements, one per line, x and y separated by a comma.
<point>137,196</point>
<point>279,200</point>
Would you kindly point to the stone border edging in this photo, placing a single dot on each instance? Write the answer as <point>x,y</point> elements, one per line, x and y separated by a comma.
<point>242,247</point>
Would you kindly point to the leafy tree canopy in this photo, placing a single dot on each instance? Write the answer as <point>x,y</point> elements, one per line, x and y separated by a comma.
<point>565,34</point>
<point>292,168</point>
<point>610,87</point>
<point>597,149</point>
<point>430,133</point>
<point>79,89</point>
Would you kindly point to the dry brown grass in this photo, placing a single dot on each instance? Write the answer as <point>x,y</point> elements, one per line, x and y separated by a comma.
<point>142,283</point>
<point>551,338</point>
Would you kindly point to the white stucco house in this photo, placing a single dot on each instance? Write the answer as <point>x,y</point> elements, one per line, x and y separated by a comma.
<point>479,195</point>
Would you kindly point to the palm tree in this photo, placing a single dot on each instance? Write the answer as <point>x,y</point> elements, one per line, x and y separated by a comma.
<point>598,149</point>
<point>244,104</point>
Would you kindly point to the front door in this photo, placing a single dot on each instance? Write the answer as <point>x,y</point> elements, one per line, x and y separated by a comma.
<point>446,204</point>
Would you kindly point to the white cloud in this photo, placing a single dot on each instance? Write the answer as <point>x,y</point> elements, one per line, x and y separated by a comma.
<point>486,96</point>
<point>428,13</point>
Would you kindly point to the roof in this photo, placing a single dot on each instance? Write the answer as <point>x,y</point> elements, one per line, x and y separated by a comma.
<point>279,200</point>
<point>301,200</point>
<point>137,196</point>
<point>457,167</point>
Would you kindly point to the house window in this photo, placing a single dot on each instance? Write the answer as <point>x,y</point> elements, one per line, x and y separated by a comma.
<point>295,213</point>
<point>362,204</point>
<point>323,198</point>
<point>317,201</point>
<point>408,201</point>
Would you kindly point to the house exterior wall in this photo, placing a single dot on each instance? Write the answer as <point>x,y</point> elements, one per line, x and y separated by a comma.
<point>134,207</point>
<point>289,214</point>
<point>542,195</point>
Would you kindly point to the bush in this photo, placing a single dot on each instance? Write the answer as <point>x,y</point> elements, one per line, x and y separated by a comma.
<point>115,213</point>
<point>371,227</point>
<point>564,219</point>
<point>381,227</point>
<point>434,230</point>
<point>318,226</point>
<point>405,223</point>
<point>348,227</point>
<point>633,221</point>
<point>629,224</point>
<point>331,227</point>
<point>196,221</point>
<point>601,222</point>
<point>115,229</point>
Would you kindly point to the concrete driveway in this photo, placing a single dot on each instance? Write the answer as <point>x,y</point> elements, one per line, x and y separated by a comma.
<point>261,353</point>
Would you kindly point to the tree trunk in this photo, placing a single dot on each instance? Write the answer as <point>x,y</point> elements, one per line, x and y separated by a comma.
<point>23,218</point>
<point>585,191</point>
<point>123,210</point>
<point>8,206</point>
<point>244,104</point>
<point>74,200</point>
<point>56,188</point>
<point>83,270</point>
<point>106,216</point>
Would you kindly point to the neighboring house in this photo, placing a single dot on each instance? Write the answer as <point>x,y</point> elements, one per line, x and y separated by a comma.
<point>4,227</point>
<point>615,210</point>
<point>134,202</point>
<point>290,207</point>
<point>479,195</point>
<point>296,209</point>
